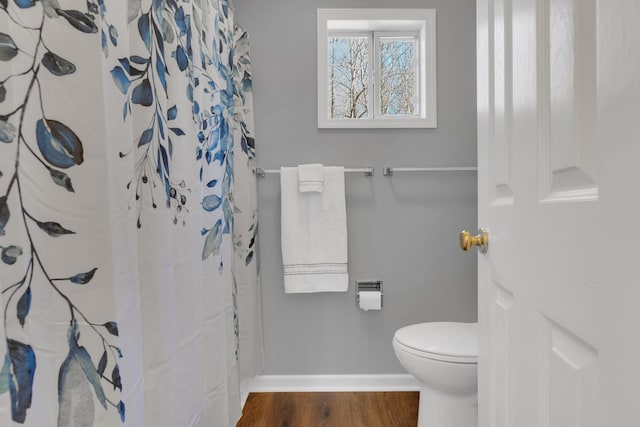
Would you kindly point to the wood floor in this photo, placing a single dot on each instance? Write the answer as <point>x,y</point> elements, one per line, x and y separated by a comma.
<point>337,409</point>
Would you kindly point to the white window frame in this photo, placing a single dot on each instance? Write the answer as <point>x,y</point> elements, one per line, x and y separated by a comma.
<point>378,22</point>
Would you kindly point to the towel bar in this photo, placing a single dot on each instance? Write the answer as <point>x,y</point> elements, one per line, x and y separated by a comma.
<point>368,171</point>
<point>389,170</point>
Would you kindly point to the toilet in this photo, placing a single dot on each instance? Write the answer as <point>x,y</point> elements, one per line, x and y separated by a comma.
<point>443,357</point>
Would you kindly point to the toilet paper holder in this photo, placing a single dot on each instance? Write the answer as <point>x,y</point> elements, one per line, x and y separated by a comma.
<point>369,286</point>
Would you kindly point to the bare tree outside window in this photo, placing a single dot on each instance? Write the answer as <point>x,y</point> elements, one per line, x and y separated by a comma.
<point>348,77</point>
<point>398,90</point>
<point>349,71</point>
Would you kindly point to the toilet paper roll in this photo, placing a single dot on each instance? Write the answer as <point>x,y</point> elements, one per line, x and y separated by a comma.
<point>371,300</point>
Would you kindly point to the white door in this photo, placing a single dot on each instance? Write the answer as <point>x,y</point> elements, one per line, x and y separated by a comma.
<point>559,190</point>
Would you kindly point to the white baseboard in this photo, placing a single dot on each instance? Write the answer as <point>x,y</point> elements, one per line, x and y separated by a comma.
<point>321,383</point>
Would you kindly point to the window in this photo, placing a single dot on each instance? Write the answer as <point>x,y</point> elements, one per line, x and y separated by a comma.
<point>376,68</point>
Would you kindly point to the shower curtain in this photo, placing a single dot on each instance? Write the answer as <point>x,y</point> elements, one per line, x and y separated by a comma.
<point>128,268</point>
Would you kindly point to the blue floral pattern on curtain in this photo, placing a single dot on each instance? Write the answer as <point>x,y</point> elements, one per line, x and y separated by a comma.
<point>152,158</point>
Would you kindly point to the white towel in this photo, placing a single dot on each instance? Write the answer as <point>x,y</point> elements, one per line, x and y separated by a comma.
<point>311,178</point>
<point>314,234</point>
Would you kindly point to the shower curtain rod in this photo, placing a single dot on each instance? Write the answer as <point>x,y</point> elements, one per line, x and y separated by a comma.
<point>368,171</point>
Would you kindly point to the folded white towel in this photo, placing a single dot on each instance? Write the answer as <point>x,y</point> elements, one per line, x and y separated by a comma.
<point>311,178</point>
<point>314,234</point>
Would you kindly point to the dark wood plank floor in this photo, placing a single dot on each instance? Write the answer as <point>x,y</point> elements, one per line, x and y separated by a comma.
<point>336,409</point>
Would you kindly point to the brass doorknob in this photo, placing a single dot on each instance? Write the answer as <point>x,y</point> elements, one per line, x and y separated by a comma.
<point>481,240</point>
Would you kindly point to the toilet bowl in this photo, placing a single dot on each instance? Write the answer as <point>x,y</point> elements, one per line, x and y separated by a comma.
<point>443,357</point>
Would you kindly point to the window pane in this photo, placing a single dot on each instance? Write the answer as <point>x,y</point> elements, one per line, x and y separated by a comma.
<point>348,77</point>
<point>398,89</point>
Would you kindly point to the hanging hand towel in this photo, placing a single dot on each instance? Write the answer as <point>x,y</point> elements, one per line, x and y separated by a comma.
<point>314,234</point>
<point>311,178</point>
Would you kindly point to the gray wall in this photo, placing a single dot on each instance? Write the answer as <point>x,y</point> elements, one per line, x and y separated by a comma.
<point>402,230</point>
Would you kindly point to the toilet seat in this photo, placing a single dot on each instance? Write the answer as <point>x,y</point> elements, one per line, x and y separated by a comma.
<point>445,341</point>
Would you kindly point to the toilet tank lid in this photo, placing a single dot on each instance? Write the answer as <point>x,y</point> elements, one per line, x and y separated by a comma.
<point>445,338</point>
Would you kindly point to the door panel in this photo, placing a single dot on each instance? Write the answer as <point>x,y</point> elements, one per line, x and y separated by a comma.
<point>501,105</point>
<point>568,376</point>
<point>567,99</point>
<point>501,360</point>
<point>539,194</point>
